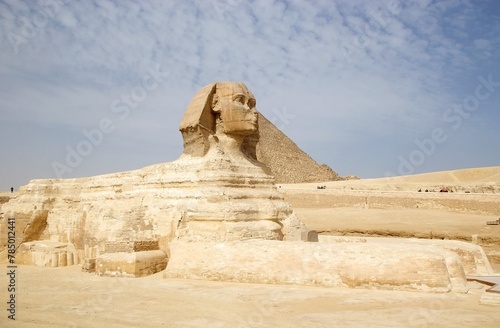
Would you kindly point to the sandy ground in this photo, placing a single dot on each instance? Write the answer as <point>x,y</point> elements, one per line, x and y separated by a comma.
<point>423,223</point>
<point>67,297</point>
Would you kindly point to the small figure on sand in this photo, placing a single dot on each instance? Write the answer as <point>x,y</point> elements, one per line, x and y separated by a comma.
<point>11,189</point>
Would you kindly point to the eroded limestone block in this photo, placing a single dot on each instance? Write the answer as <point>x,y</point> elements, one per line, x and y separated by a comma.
<point>473,259</point>
<point>132,264</point>
<point>88,265</point>
<point>490,299</point>
<point>328,265</point>
<point>47,253</point>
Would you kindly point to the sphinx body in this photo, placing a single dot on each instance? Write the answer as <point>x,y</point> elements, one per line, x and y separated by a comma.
<point>216,191</point>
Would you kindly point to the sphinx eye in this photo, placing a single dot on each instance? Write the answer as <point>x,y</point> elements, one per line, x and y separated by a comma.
<point>240,99</point>
<point>251,103</point>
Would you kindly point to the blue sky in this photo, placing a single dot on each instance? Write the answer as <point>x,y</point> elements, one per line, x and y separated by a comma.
<point>370,88</point>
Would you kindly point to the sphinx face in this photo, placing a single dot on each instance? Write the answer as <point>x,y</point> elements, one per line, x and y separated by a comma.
<point>236,105</point>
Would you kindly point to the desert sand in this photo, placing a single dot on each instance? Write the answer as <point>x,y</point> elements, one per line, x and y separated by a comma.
<point>67,297</point>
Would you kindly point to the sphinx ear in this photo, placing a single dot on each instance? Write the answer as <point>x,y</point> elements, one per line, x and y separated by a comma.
<point>215,102</point>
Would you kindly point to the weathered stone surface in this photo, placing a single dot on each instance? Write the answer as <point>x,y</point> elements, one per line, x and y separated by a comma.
<point>328,265</point>
<point>47,253</point>
<point>472,257</point>
<point>490,299</point>
<point>5,197</point>
<point>89,265</point>
<point>130,264</point>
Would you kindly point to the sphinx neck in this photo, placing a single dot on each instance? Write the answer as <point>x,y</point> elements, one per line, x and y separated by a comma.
<point>230,142</point>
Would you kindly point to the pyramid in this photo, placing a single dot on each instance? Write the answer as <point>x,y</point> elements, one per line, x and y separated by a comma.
<point>287,161</point>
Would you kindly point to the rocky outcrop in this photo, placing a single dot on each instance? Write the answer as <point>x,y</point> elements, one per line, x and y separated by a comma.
<point>318,264</point>
<point>47,254</point>
<point>5,197</point>
<point>472,257</point>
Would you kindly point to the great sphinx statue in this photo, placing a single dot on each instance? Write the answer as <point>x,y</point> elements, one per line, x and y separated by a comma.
<point>215,191</point>
<point>214,213</point>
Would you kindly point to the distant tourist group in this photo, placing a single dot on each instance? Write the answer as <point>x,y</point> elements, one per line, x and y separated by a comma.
<point>442,190</point>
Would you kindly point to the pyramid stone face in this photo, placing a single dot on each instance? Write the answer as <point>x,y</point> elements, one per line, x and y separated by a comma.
<point>288,163</point>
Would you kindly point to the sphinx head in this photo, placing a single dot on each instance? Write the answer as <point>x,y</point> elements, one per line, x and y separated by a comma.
<point>234,108</point>
<point>222,109</point>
